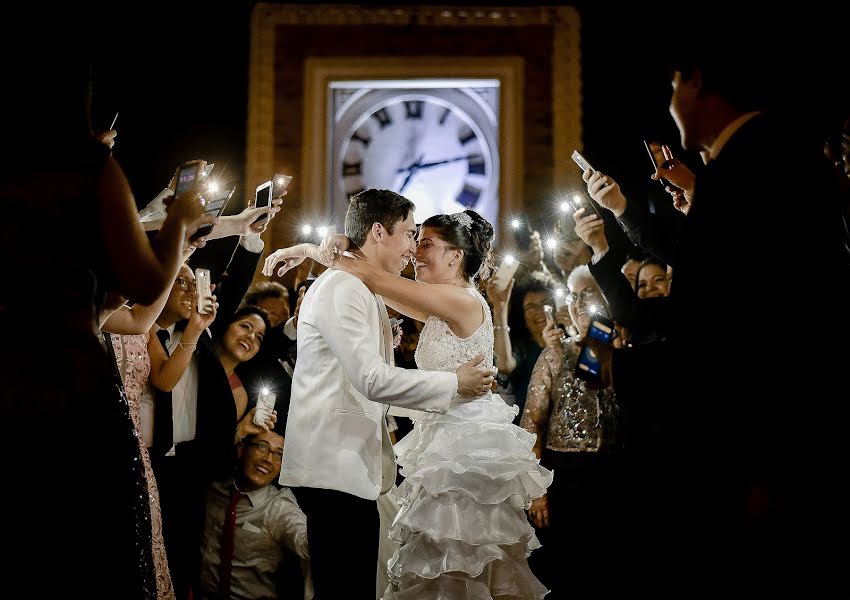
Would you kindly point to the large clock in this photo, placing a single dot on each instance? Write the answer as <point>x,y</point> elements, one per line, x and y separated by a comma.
<point>437,146</point>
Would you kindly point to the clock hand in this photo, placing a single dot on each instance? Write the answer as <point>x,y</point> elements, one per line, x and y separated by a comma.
<point>448,160</point>
<point>407,179</point>
<point>412,167</point>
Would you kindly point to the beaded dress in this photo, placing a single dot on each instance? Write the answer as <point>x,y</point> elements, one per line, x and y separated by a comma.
<point>134,362</point>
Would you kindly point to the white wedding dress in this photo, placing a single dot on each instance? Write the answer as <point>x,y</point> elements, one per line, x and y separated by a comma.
<point>469,476</point>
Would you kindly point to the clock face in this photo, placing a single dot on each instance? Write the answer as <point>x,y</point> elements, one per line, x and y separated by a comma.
<point>423,147</point>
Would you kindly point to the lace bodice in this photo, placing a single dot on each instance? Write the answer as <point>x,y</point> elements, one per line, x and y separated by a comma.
<point>440,349</point>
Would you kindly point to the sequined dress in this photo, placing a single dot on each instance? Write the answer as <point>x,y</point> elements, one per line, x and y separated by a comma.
<point>67,423</point>
<point>469,476</point>
<point>134,362</point>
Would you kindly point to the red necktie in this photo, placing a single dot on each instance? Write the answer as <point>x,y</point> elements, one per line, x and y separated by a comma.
<point>227,545</point>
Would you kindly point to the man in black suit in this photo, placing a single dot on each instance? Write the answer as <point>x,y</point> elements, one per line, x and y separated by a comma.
<point>750,492</point>
<point>195,422</point>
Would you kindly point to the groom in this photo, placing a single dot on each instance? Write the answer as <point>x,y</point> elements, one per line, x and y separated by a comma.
<point>338,456</point>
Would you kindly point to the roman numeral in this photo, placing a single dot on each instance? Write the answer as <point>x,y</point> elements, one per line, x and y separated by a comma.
<point>466,136</point>
<point>476,165</point>
<point>469,196</point>
<point>382,116</point>
<point>413,108</point>
<point>363,140</point>
<point>445,116</point>
<point>349,169</point>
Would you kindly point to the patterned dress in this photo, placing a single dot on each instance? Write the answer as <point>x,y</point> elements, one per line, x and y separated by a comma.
<point>470,475</point>
<point>134,362</point>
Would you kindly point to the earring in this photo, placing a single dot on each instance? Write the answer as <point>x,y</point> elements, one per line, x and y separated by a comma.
<point>451,264</point>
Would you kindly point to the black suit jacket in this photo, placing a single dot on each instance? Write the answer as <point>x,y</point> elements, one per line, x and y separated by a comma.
<point>751,377</point>
<point>752,381</point>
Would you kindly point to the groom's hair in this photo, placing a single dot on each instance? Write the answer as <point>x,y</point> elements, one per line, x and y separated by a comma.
<point>374,206</point>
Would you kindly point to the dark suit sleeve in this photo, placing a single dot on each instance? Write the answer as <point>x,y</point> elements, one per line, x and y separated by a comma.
<point>616,288</point>
<point>233,286</point>
<point>632,368</point>
<point>653,234</point>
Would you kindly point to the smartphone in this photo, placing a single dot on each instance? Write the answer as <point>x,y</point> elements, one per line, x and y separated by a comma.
<point>280,183</point>
<point>656,155</point>
<point>588,366</point>
<point>215,207</point>
<point>550,313</point>
<point>582,162</point>
<point>503,275</point>
<point>188,176</point>
<point>522,234</point>
<point>587,204</point>
<point>202,280</point>
<point>262,199</point>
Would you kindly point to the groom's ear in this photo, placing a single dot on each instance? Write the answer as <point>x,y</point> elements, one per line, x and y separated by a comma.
<point>378,232</point>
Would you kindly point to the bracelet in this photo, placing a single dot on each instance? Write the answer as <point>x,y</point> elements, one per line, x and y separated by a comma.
<point>505,327</point>
<point>187,347</point>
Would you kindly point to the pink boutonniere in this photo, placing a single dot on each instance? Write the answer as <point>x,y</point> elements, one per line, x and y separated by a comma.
<point>397,331</point>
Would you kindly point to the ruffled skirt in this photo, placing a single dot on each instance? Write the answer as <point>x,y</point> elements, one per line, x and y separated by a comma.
<point>470,475</point>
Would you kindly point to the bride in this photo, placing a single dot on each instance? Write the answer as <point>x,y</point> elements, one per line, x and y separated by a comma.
<point>470,473</point>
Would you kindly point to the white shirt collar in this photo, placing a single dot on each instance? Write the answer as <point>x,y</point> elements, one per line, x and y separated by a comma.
<point>727,133</point>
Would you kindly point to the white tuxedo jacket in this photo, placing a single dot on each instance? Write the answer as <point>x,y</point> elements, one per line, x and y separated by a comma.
<point>336,435</point>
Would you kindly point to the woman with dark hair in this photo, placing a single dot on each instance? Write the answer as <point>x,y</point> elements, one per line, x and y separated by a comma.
<point>239,343</point>
<point>469,473</point>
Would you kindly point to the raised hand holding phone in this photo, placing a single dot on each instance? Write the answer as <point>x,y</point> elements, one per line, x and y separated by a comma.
<point>661,158</point>
<point>605,192</point>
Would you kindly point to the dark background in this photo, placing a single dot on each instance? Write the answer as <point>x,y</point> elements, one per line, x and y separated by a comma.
<point>179,78</point>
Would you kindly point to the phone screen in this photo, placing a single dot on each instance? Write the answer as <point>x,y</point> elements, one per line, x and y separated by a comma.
<point>588,366</point>
<point>218,205</point>
<point>215,207</point>
<point>186,177</point>
<point>262,199</point>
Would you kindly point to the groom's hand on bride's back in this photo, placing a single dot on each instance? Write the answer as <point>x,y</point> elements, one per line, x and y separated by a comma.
<point>474,380</point>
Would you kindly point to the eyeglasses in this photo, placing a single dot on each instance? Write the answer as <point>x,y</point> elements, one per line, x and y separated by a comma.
<point>185,284</point>
<point>532,306</point>
<point>586,294</point>
<point>263,449</point>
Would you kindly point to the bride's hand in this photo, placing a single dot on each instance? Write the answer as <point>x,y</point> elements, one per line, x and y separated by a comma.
<point>290,257</point>
<point>332,246</point>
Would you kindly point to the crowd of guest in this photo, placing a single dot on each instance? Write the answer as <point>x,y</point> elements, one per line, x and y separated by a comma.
<point>149,391</point>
